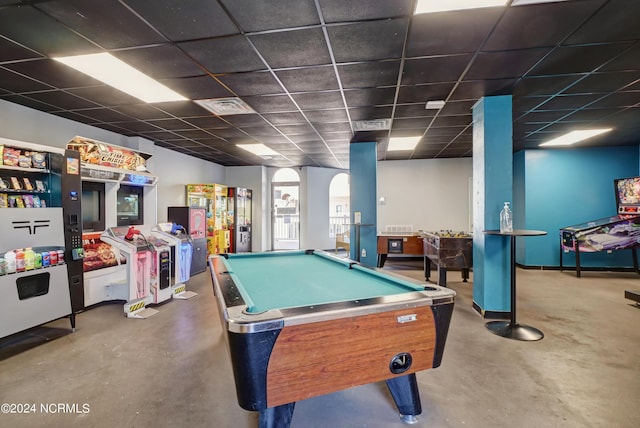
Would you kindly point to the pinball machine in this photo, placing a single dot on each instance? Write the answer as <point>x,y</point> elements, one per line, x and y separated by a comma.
<point>618,232</point>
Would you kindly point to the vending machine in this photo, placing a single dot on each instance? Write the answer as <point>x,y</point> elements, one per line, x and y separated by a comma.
<point>194,220</point>
<point>41,247</point>
<point>240,206</point>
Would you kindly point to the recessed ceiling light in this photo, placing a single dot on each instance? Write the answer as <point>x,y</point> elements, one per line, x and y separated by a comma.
<point>430,6</point>
<point>524,2</point>
<point>114,72</point>
<point>573,137</point>
<point>403,143</point>
<point>226,106</point>
<point>434,105</point>
<point>259,150</point>
<point>371,125</point>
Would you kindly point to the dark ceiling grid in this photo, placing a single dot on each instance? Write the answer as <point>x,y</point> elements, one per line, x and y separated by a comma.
<point>327,41</point>
<point>228,27</point>
<point>397,90</point>
<point>585,104</point>
<point>561,61</point>
<point>575,62</point>
<point>447,98</point>
<point>289,91</point>
<point>265,62</point>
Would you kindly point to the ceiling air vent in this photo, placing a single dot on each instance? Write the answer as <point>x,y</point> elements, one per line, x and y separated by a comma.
<point>226,106</point>
<point>371,125</point>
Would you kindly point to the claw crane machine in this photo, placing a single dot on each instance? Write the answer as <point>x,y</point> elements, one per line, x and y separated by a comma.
<point>213,197</point>
<point>239,208</point>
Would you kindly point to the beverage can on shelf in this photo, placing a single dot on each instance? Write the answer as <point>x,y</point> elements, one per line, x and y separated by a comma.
<point>46,260</point>
<point>60,257</point>
<point>38,260</point>
<point>3,266</point>
<point>53,257</point>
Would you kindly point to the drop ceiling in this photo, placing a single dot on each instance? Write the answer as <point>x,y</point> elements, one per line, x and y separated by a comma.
<point>311,68</point>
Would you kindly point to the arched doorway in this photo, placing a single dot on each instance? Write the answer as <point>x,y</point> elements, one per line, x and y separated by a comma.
<point>285,192</point>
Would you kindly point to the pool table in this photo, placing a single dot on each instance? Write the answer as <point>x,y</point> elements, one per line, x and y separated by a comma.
<point>305,323</point>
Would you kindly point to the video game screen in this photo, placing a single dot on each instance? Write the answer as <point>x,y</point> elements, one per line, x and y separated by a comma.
<point>628,194</point>
<point>129,208</point>
<point>92,206</point>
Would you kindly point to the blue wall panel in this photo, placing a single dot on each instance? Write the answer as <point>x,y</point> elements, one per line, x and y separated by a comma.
<point>492,186</point>
<point>363,161</point>
<point>571,186</point>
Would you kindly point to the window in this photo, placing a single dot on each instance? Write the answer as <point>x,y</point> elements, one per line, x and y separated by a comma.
<point>339,210</point>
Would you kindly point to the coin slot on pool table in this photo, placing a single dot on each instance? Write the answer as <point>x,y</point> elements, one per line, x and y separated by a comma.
<point>400,363</point>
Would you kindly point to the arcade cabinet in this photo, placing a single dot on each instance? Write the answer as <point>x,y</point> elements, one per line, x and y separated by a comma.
<point>240,207</point>
<point>138,254</point>
<point>194,220</point>
<point>181,253</point>
<point>618,232</point>
<point>213,198</point>
<point>117,192</point>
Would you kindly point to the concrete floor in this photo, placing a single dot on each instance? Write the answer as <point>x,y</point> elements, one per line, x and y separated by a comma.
<point>172,370</point>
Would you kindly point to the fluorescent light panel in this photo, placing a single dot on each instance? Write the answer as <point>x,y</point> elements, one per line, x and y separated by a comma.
<point>573,137</point>
<point>114,72</point>
<point>403,143</point>
<point>431,6</point>
<point>259,149</point>
<point>434,105</point>
<point>524,2</point>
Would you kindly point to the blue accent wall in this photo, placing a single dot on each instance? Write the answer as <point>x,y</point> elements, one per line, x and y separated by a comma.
<point>563,187</point>
<point>363,161</point>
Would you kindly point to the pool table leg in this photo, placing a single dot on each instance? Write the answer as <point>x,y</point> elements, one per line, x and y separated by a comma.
<point>276,417</point>
<point>404,390</point>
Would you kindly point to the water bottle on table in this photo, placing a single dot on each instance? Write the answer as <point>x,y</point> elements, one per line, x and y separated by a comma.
<point>506,219</point>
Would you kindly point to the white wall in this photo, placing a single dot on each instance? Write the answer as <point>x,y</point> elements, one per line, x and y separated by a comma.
<point>314,207</point>
<point>430,194</point>
<point>254,178</point>
<point>174,170</point>
<point>33,126</point>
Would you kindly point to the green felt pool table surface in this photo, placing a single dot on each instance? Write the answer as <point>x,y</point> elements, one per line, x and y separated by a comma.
<point>279,280</point>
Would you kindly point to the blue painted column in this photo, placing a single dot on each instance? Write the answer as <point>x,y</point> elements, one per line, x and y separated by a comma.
<point>363,162</point>
<point>492,186</point>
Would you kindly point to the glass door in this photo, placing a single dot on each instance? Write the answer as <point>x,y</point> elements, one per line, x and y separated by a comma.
<point>286,216</point>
